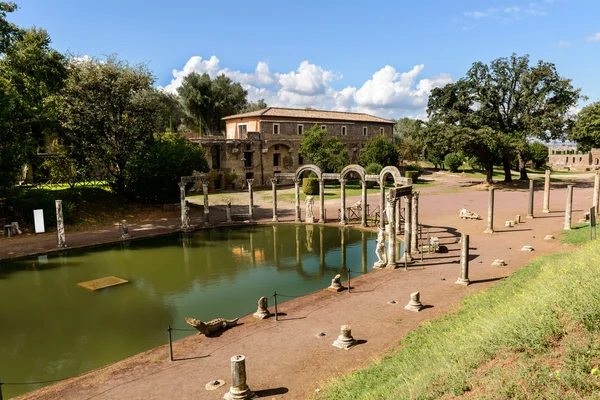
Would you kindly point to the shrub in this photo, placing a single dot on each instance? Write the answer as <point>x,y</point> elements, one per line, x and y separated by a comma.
<point>310,186</point>
<point>453,161</point>
<point>414,167</point>
<point>414,175</point>
<point>373,169</point>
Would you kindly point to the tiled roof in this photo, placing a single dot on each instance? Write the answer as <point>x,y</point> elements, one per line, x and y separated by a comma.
<point>310,114</point>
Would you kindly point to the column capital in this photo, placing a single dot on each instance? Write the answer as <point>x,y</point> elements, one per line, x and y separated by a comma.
<point>274,181</point>
<point>297,180</point>
<point>250,181</point>
<point>342,180</point>
<point>181,184</point>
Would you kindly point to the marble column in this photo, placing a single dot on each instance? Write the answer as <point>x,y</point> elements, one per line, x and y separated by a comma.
<point>464,261</point>
<point>343,202</point>
<point>398,216</point>
<point>364,203</point>
<point>274,190</point>
<point>61,241</point>
<point>391,251</point>
<point>322,200</point>
<point>239,389</point>
<point>297,192</point>
<point>569,208</point>
<point>407,257</point>
<point>185,220</point>
<point>530,205</point>
<point>596,201</point>
<point>414,223</point>
<point>490,222</point>
<point>546,192</point>
<point>206,208</point>
<point>382,205</point>
<point>251,202</point>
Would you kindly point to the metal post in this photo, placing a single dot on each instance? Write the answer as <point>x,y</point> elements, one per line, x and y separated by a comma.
<point>569,208</point>
<point>170,344</point>
<point>531,193</point>
<point>275,299</point>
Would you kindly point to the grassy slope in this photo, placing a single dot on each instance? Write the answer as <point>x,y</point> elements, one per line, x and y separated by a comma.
<point>534,335</point>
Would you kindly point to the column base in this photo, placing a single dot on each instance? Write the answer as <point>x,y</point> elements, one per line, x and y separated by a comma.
<point>61,246</point>
<point>488,231</point>
<point>546,211</point>
<point>275,219</point>
<point>321,221</point>
<point>529,216</point>
<point>188,229</point>
<point>566,229</point>
<point>461,281</point>
<point>236,394</point>
<point>379,265</point>
<point>343,223</point>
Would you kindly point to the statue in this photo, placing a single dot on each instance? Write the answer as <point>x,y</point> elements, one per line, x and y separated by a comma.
<point>466,214</point>
<point>212,326</point>
<point>380,250</point>
<point>262,312</point>
<point>336,284</point>
<point>309,209</point>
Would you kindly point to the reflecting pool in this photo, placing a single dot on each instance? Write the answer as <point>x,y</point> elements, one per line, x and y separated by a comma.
<point>51,328</point>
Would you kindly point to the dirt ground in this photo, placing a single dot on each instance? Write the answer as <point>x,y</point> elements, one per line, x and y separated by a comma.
<point>286,359</point>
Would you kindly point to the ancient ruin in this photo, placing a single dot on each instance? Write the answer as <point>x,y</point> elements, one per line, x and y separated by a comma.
<point>262,311</point>
<point>336,284</point>
<point>466,214</point>
<point>345,340</point>
<point>415,302</point>
<point>212,326</point>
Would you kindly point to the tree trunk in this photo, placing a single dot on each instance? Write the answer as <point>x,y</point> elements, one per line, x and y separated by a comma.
<point>489,171</point>
<point>507,171</point>
<point>522,169</point>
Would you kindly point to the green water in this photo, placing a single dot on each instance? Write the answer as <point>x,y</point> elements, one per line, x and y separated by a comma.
<point>51,328</point>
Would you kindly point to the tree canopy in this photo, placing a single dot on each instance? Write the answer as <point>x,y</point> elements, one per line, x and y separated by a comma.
<point>329,154</point>
<point>496,108</point>
<point>379,150</point>
<point>586,131</point>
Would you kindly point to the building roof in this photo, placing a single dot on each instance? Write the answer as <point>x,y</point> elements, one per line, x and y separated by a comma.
<point>310,114</point>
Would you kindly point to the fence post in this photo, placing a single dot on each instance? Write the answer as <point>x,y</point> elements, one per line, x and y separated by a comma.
<point>275,297</point>
<point>170,345</point>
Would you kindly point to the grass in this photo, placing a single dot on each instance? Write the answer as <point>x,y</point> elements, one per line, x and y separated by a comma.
<point>578,235</point>
<point>534,335</point>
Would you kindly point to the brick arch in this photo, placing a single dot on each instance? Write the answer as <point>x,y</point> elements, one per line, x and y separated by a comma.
<point>309,167</point>
<point>394,171</point>
<point>353,168</point>
<point>287,145</point>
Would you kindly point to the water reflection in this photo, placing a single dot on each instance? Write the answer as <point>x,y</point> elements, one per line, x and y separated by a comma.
<point>209,274</point>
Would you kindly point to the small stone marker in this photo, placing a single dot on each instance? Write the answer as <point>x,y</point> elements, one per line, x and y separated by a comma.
<point>336,285</point>
<point>392,302</point>
<point>499,263</point>
<point>527,248</point>
<point>345,340</point>
<point>239,390</point>
<point>262,312</point>
<point>320,334</point>
<point>509,224</point>
<point>549,237</point>
<point>517,219</point>
<point>415,302</point>
<point>212,385</point>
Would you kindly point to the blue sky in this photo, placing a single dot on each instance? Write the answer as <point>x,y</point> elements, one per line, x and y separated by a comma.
<point>381,57</point>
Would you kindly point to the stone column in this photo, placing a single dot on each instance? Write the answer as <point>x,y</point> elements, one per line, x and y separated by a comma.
<point>382,205</point>
<point>251,203</point>
<point>363,242</point>
<point>464,261</point>
<point>531,194</point>
<point>546,192</point>
<point>596,201</point>
<point>407,257</point>
<point>490,224</point>
<point>343,202</point>
<point>228,210</point>
<point>414,223</point>
<point>61,241</point>
<point>398,214</point>
<point>239,389</point>
<point>274,189</point>
<point>206,209</point>
<point>569,209</point>
<point>185,222</point>
<point>343,247</point>
<point>364,203</point>
<point>297,192</point>
<point>391,255</point>
<point>322,200</point>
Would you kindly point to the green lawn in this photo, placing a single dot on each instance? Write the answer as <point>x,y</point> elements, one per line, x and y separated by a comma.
<point>535,335</point>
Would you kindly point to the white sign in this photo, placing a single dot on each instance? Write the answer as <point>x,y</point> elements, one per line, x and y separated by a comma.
<point>38,218</point>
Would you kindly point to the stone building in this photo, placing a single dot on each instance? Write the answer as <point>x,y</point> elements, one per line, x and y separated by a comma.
<point>261,144</point>
<point>567,157</point>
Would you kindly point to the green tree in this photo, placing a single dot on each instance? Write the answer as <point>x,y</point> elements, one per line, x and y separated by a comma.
<point>106,109</point>
<point>8,30</point>
<point>157,166</point>
<point>538,153</point>
<point>259,105</point>
<point>379,150</point>
<point>453,161</point>
<point>586,130</point>
<point>329,154</point>
<point>409,137</point>
<point>207,101</point>
<point>505,103</point>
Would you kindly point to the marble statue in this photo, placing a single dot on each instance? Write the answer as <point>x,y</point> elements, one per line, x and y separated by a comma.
<point>262,311</point>
<point>466,214</point>
<point>336,284</point>
<point>380,249</point>
<point>309,202</point>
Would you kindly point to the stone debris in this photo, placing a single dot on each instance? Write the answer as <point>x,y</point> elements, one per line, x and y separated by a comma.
<point>392,302</point>
<point>262,311</point>
<point>345,340</point>
<point>549,237</point>
<point>466,214</point>
<point>499,263</point>
<point>336,285</point>
<point>212,385</point>
<point>415,302</point>
<point>527,248</point>
<point>320,334</point>
<point>509,224</point>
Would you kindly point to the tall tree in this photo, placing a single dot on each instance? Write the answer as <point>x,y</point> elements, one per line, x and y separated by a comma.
<point>8,30</point>
<point>409,138</point>
<point>207,101</point>
<point>379,150</point>
<point>106,109</point>
<point>586,131</point>
<point>511,101</point>
<point>329,154</point>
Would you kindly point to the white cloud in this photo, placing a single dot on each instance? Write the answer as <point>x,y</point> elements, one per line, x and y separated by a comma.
<point>388,93</point>
<point>594,38</point>
<point>564,43</point>
<point>509,13</point>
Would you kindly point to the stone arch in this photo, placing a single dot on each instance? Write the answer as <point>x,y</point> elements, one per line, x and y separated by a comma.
<point>309,167</point>
<point>353,168</point>
<point>394,171</point>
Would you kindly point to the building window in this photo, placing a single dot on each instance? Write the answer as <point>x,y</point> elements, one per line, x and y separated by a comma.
<point>247,159</point>
<point>324,127</point>
<point>343,131</point>
<point>300,129</point>
<point>276,160</point>
<point>579,158</point>
<point>275,129</point>
<point>242,131</point>
<point>381,131</point>
<point>364,131</point>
